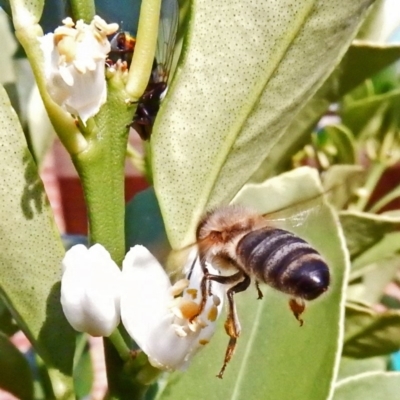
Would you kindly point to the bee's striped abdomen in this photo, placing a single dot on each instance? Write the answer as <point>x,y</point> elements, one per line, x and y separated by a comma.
<point>284,261</point>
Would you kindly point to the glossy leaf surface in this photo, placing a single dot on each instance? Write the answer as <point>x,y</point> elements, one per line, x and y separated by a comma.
<point>31,248</point>
<point>369,333</point>
<point>363,230</point>
<point>247,68</point>
<point>369,386</point>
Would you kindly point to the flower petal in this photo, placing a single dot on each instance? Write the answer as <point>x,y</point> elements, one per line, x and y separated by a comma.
<point>147,305</point>
<point>74,65</point>
<point>90,290</point>
<point>145,294</point>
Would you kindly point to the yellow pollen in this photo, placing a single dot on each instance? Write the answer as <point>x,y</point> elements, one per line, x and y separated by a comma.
<point>62,31</point>
<point>67,47</point>
<point>192,292</point>
<point>212,314</point>
<point>179,287</point>
<point>189,308</point>
<point>203,342</point>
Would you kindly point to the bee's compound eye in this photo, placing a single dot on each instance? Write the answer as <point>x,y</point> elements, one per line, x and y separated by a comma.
<point>311,279</point>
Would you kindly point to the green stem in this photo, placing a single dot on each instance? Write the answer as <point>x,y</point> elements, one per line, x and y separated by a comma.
<point>145,48</point>
<point>62,121</point>
<point>120,345</point>
<point>375,173</point>
<point>101,169</point>
<point>83,9</point>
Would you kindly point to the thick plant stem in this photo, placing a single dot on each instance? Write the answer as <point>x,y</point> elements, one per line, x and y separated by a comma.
<point>101,169</point>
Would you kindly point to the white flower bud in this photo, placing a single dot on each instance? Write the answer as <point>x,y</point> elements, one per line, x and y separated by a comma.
<point>74,64</point>
<point>90,290</point>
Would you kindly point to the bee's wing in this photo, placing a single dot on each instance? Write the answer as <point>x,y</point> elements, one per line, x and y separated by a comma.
<point>166,38</point>
<point>296,214</point>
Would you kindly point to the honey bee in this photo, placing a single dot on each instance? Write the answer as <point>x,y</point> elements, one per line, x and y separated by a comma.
<point>242,245</point>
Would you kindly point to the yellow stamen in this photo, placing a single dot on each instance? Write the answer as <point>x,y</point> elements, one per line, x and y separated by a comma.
<point>212,314</point>
<point>192,293</point>
<point>179,287</point>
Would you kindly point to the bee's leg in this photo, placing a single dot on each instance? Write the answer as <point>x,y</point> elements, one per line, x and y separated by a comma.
<point>259,292</point>
<point>232,324</point>
<point>297,306</point>
<point>206,281</point>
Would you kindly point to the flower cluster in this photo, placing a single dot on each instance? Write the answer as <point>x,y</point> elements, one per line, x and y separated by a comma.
<point>163,319</point>
<point>74,64</point>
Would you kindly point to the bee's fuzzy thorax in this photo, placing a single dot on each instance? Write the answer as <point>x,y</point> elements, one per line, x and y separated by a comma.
<point>228,221</point>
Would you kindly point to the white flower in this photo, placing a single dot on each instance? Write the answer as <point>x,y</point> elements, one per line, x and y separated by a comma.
<point>74,59</point>
<point>159,319</point>
<point>90,290</point>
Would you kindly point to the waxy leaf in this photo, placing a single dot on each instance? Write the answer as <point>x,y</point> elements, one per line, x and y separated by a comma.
<point>355,366</point>
<point>369,386</point>
<point>363,230</point>
<point>362,60</point>
<point>246,69</point>
<point>369,333</point>
<point>16,376</point>
<point>31,249</point>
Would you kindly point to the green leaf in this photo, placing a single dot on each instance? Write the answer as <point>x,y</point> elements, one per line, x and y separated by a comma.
<point>365,117</point>
<point>340,182</point>
<point>7,323</point>
<point>26,12</point>
<point>362,60</point>
<point>379,24</point>
<point>354,366</point>
<point>144,225</point>
<point>31,250</point>
<point>369,333</point>
<point>83,368</point>
<point>15,377</point>
<point>363,230</point>
<point>247,69</point>
<point>375,280</point>
<point>369,386</point>
<point>273,349</point>
<point>379,253</point>
<point>342,141</point>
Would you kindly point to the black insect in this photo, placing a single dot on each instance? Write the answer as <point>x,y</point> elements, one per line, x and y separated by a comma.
<point>122,48</point>
<point>150,102</point>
